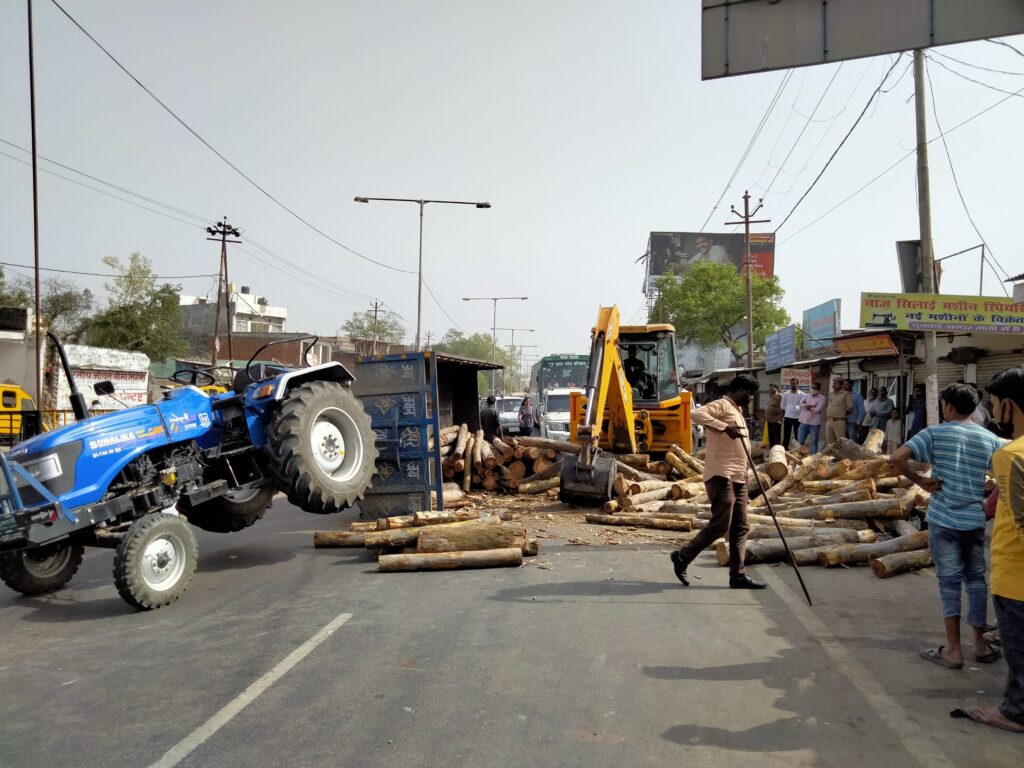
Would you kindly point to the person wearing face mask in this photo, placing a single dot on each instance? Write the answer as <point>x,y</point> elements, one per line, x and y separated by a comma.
<point>1007,399</point>
<point>725,478</point>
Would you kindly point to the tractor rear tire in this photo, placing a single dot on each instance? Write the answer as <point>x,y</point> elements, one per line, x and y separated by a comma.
<point>43,569</point>
<point>155,561</point>
<point>232,512</point>
<point>323,450</point>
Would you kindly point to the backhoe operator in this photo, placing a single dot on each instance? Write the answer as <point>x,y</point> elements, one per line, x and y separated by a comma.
<point>634,367</point>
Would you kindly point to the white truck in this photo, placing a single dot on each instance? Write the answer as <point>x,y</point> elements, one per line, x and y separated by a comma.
<point>554,413</point>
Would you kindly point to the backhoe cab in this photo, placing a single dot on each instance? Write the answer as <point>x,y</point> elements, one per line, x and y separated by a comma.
<point>632,404</point>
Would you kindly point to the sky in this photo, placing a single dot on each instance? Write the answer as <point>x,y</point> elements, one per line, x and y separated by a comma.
<point>584,123</point>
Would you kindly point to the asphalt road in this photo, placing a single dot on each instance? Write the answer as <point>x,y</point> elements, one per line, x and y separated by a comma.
<point>600,660</point>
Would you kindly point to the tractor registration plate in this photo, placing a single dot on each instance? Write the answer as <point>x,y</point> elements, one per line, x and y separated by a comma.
<point>10,537</point>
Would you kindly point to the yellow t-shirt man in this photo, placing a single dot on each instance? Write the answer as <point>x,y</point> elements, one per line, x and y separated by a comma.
<point>1008,528</point>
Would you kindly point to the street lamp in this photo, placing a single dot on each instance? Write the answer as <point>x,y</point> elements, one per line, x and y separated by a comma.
<point>522,370</point>
<point>512,343</point>
<point>494,326</point>
<point>419,280</point>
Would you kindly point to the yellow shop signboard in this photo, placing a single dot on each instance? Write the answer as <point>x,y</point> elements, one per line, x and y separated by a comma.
<point>940,312</point>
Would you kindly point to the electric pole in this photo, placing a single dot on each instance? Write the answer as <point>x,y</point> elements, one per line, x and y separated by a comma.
<point>924,209</point>
<point>221,231</point>
<point>430,335</point>
<point>746,220</point>
<point>376,308</point>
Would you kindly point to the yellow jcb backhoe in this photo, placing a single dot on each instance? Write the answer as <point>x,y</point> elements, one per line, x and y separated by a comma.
<point>632,404</point>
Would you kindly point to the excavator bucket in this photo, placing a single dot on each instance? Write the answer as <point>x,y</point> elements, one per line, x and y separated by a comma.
<point>587,486</point>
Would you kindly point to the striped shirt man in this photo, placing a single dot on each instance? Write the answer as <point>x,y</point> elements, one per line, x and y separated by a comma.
<point>960,453</point>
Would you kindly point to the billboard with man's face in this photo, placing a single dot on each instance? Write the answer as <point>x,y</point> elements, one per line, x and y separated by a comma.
<point>678,251</point>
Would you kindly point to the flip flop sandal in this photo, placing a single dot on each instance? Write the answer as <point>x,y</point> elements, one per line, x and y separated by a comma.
<point>988,658</point>
<point>980,716</point>
<point>993,637</point>
<point>935,655</point>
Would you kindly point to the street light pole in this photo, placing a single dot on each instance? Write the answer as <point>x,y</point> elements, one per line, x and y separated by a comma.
<point>512,343</point>
<point>494,325</point>
<point>521,369</point>
<point>419,271</point>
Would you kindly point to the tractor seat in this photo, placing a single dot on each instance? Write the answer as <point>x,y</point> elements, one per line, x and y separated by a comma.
<point>243,380</point>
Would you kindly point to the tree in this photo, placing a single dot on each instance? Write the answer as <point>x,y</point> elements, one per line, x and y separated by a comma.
<point>66,308</point>
<point>708,305</point>
<point>389,326</point>
<point>14,294</point>
<point>479,347</point>
<point>141,316</point>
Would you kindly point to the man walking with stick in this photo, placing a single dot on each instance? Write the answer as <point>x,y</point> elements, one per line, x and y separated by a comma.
<point>725,477</point>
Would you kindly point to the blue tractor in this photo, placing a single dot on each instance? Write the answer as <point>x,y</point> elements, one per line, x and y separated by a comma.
<point>135,479</point>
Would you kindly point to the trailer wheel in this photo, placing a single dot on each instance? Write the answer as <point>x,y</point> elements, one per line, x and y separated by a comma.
<point>323,451</point>
<point>232,512</point>
<point>155,561</point>
<point>43,569</point>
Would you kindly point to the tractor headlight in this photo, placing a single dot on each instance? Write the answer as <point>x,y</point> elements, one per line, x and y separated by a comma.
<point>46,468</point>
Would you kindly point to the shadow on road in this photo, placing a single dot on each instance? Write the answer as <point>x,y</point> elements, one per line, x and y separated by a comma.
<point>67,606</point>
<point>570,589</point>
<point>239,559</point>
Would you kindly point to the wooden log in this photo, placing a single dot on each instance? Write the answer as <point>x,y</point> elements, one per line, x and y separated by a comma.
<point>760,531</point>
<point>684,469</point>
<point>532,453</point>
<point>531,547</point>
<point>540,464</point>
<point>611,506</point>
<point>362,526</point>
<point>461,441</point>
<point>658,468</point>
<point>873,442</point>
<point>555,445</point>
<point>794,522</point>
<point>777,467</point>
<point>833,469</point>
<point>638,460</point>
<point>883,507</point>
<point>516,470</point>
<point>467,477</point>
<point>641,521</point>
<point>446,450</point>
<point>773,550</point>
<point>808,556</point>
<point>632,473</point>
<point>553,471</point>
<point>539,486</point>
<point>658,494</point>
<point>842,485</point>
<point>794,458</point>
<point>683,491</point>
<point>487,456</point>
<point>403,537</point>
<point>788,482</point>
<point>753,488</point>
<point>695,464</point>
<point>862,494</point>
<point>875,468</point>
<point>441,539</point>
<point>327,539</point>
<point>502,450</point>
<point>844,448</point>
<point>478,444</point>
<point>626,487</point>
<point>852,554</point>
<point>398,521</point>
<point>450,492</point>
<point>901,527</point>
<point>901,562</point>
<point>444,561</point>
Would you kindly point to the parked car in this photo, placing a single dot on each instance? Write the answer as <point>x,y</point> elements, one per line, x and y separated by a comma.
<point>554,414</point>
<point>508,413</point>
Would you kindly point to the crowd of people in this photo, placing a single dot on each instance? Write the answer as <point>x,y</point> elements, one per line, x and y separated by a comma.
<point>976,459</point>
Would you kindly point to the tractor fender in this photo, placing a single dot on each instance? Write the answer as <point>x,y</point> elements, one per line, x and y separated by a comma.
<point>333,371</point>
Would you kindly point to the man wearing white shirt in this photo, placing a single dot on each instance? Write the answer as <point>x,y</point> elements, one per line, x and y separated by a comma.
<point>791,406</point>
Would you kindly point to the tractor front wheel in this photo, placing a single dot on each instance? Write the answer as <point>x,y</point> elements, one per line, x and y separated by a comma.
<point>323,451</point>
<point>43,569</point>
<point>155,561</point>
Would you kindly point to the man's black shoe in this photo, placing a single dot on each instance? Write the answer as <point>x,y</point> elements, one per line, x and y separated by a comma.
<point>745,582</point>
<point>679,569</point>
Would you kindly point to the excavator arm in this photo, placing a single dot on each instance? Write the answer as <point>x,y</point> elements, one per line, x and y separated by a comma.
<point>607,388</point>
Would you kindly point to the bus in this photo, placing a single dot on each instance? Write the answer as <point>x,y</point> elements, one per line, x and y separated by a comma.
<point>557,371</point>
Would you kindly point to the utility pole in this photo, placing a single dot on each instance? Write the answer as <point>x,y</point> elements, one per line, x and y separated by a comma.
<point>376,308</point>
<point>220,231</point>
<point>746,220</point>
<point>924,209</point>
<point>430,335</point>
<point>494,326</point>
<point>35,211</point>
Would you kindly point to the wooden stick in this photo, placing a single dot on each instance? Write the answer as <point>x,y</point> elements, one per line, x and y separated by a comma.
<point>478,444</point>
<point>467,477</point>
<point>461,441</point>
<point>443,561</point>
<point>641,521</point>
<point>684,469</point>
<point>695,464</point>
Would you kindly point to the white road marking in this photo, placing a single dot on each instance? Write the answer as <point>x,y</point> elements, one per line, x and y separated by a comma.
<point>918,742</point>
<point>183,748</point>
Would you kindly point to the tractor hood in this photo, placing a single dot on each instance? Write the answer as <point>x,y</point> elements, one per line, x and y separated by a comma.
<point>106,432</point>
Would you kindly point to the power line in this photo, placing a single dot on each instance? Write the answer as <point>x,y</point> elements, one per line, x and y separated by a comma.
<point>909,154</point>
<point>803,130</point>
<point>976,66</point>
<point>209,146</point>
<point>99,274</point>
<point>757,132</point>
<point>962,76</point>
<point>1005,44</point>
<point>853,127</point>
<point>441,307</point>
<point>956,181</point>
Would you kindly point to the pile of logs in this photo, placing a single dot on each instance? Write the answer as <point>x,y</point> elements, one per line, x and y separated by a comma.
<point>525,464</point>
<point>434,541</point>
<point>842,507</point>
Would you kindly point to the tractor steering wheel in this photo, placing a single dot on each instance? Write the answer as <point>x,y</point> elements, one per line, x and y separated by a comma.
<point>192,376</point>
